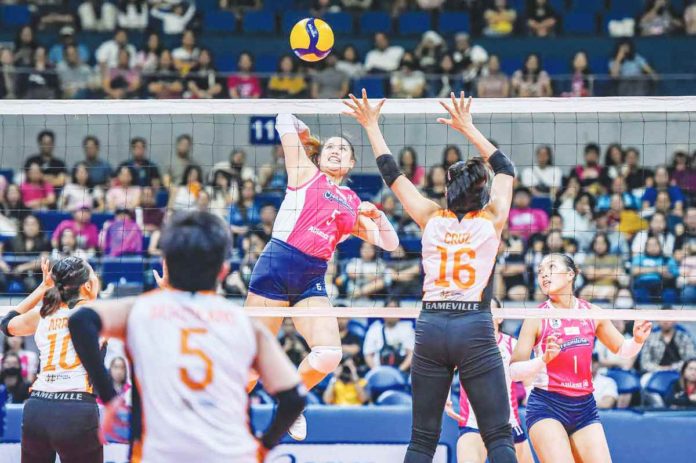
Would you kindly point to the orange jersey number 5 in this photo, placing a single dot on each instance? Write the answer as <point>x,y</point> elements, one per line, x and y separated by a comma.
<point>186,349</point>
<point>458,269</point>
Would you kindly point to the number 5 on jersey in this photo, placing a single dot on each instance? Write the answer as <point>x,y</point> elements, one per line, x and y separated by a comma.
<point>462,274</point>
<point>186,349</point>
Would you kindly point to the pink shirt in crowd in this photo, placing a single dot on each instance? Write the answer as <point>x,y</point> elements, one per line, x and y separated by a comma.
<point>32,192</point>
<point>87,234</point>
<point>526,222</point>
<point>247,86</point>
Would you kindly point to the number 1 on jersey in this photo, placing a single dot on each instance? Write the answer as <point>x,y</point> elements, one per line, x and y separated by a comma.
<point>456,275</point>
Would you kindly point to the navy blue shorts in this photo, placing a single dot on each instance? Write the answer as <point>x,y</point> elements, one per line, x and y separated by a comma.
<point>518,434</point>
<point>574,413</point>
<point>285,273</point>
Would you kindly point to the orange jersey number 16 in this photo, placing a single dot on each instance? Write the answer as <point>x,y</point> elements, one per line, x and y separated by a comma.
<point>186,349</point>
<point>463,275</point>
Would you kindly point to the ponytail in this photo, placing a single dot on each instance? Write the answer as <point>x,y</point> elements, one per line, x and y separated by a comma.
<point>51,302</point>
<point>69,274</point>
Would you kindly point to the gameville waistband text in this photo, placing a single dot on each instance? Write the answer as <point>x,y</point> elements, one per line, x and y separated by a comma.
<point>69,396</point>
<point>455,306</point>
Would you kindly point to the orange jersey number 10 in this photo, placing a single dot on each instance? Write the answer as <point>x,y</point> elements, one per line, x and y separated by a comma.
<point>186,349</point>
<point>463,275</point>
<point>62,359</point>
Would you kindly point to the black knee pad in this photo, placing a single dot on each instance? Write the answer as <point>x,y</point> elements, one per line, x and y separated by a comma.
<point>424,442</point>
<point>502,454</point>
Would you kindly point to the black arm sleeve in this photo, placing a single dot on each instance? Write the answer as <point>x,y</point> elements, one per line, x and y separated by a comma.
<point>388,169</point>
<point>290,405</point>
<point>501,164</point>
<point>5,323</point>
<point>85,326</point>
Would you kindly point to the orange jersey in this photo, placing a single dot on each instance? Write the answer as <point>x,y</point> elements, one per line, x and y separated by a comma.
<point>458,256</point>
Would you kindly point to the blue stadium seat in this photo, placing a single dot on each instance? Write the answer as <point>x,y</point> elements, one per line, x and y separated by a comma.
<point>208,6</point>
<point>579,23</point>
<point>278,5</point>
<point>373,84</point>
<point>588,6</point>
<point>411,243</point>
<point>290,18</point>
<point>625,8</point>
<point>556,65</point>
<point>661,382</point>
<point>8,174</point>
<point>220,21</point>
<point>542,202</point>
<point>382,378</point>
<point>559,5</point>
<point>259,22</point>
<point>341,23</point>
<point>266,63</point>
<point>627,381</point>
<point>226,62</point>
<point>394,398</point>
<point>510,64</point>
<point>357,328</point>
<point>269,198</point>
<point>132,269</point>
<point>414,23</point>
<point>366,185</point>
<point>349,248</point>
<point>99,218</point>
<point>50,220</point>
<point>375,21</point>
<point>13,423</point>
<point>452,22</point>
<point>15,15</point>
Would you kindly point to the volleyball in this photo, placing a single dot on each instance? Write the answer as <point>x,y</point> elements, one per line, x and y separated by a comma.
<point>311,39</point>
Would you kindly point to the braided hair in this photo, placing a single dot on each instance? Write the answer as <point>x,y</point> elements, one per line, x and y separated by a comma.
<point>69,274</point>
<point>467,186</point>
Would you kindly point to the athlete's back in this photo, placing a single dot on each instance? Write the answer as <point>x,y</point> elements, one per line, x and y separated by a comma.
<point>191,355</point>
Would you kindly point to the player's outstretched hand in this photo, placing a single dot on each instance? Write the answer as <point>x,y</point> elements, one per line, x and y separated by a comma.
<point>47,280</point>
<point>449,410</point>
<point>115,421</point>
<point>362,111</point>
<point>369,210</point>
<point>641,330</point>
<point>460,114</point>
<point>162,280</point>
<point>552,349</point>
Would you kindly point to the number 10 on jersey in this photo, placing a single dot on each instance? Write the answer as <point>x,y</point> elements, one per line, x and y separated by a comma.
<point>463,275</point>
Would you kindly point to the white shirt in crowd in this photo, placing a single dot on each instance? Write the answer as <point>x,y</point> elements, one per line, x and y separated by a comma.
<point>535,176</point>
<point>107,53</point>
<point>641,239</point>
<point>400,335</point>
<point>386,60</point>
<point>604,386</point>
<point>89,20</point>
<point>173,23</point>
<point>134,17</point>
<point>185,55</point>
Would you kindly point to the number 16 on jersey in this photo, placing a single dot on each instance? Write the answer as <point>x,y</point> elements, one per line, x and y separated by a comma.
<point>455,267</point>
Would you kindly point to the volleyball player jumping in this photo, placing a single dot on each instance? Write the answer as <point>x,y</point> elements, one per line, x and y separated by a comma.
<point>61,416</point>
<point>460,244</point>
<point>562,416</point>
<point>316,214</point>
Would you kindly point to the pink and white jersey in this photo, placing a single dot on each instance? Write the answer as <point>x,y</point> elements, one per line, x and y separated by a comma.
<point>506,344</point>
<point>458,256</point>
<point>570,373</point>
<point>316,216</point>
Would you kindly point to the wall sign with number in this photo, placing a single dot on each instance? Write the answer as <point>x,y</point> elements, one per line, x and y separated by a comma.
<point>262,131</point>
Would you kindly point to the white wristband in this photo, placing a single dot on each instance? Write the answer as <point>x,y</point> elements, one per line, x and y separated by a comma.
<point>522,371</point>
<point>285,124</point>
<point>629,348</point>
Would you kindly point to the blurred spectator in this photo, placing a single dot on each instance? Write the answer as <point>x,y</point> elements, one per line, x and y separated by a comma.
<point>183,196</point>
<point>543,177</point>
<point>175,20</point>
<point>41,81</point>
<point>153,247</point>
<point>403,274</point>
<point>500,19</point>
<point>390,343</point>
<point>202,81</point>
<point>345,386</point>
<point>79,192</point>
<point>683,393</point>
<point>578,221</point>
<point>582,81</point>
<point>186,56</point>
<point>636,175</point>
<point>146,172</point>
<point>107,53</point>
<point>86,233</point>
<point>122,236</point>
<point>267,217</point>
<point>239,7</point>
<point>630,70</point>
<point>118,372</point>
<point>667,349</point>
<point>686,234</point>
<point>181,160</point>
<point>287,82</point>
<point>56,55</point>
<point>687,275</point>
<point>524,220</point>
<point>247,211</point>
<point>350,63</point>
<point>165,82</point>
<point>153,216</point>
<point>12,205</point>
<point>606,392</point>
<point>654,274</point>
<point>683,174</point>
<point>408,81</point>
<point>436,185</point>
<point>365,273</point>
<point>223,193</point>
<point>512,269</point>
<point>243,84</point>
<point>67,246</point>
<point>237,282</point>
<point>37,192</point>
<point>446,81</point>
<point>97,16</point>
<point>357,5</point>
<point>603,271</point>
<point>146,60</point>
<point>28,360</point>
<point>235,168</point>
<point>99,171</point>
<point>294,345</point>
<point>658,18</point>
<point>124,193</point>
<point>54,13</point>
<point>620,221</point>
<point>690,18</point>
<point>469,59</point>
<point>451,155</point>
<point>388,205</point>
<point>12,381</point>
<point>664,204</point>
<point>24,46</point>
<point>429,51</point>
<point>76,78</point>
<point>329,82</point>
<point>613,164</point>
<point>493,83</point>
<point>618,187</point>
<point>408,163</point>
<point>531,80</point>
<point>662,183</point>
<point>383,58</point>
<point>8,75</point>
<point>31,244</point>
<point>273,176</point>
<point>320,7</point>
<point>541,18</point>
<point>133,14</point>
<point>591,172</point>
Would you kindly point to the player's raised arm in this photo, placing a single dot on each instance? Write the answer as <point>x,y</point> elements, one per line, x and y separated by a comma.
<point>23,319</point>
<point>294,136</point>
<point>419,208</point>
<point>501,190</point>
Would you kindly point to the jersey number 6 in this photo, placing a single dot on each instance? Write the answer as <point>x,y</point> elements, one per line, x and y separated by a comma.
<point>186,349</point>
<point>458,269</point>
